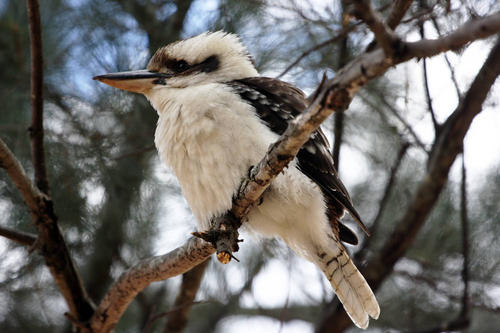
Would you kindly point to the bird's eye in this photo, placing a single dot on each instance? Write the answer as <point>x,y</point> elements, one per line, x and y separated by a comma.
<point>181,66</point>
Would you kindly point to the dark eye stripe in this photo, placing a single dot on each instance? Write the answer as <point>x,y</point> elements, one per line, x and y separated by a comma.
<point>178,66</point>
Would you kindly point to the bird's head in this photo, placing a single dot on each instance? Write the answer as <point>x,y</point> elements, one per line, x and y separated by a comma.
<point>206,58</point>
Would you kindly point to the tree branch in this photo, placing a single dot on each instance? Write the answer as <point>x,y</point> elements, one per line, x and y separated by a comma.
<point>36,128</point>
<point>426,83</point>
<point>51,243</point>
<point>463,318</point>
<point>383,202</point>
<point>450,67</point>
<point>159,268</point>
<point>341,34</point>
<point>407,126</point>
<point>30,194</point>
<point>335,95</point>
<point>191,281</point>
<point>464,221</point>
<point>383,33</point>
<point>339,117</point>
<point>447,146</point>
<point>397,12</point>
<point>20,237</point>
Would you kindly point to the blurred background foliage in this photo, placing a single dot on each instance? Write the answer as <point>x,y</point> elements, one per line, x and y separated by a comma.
<point>117,204</point>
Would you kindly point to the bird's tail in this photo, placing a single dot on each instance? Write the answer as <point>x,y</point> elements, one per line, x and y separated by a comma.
<point>349,285</point>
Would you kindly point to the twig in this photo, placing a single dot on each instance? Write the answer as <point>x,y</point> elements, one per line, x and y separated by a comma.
<point>342,33</point>
<point>448,63</point>
<point>191,281</point>
<point>20,237</point>
<point>464,221</point>
<point>428,97</point>
<point>383,33</point>
<point>384,201</point>
<point>336,95</point>
<point>156,316</point>
<point>135,152</point>
<point>36,128</point>
<point>407,126</point>
<point>426,84</point>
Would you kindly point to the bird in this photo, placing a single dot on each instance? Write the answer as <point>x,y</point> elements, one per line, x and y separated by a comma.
<point>216,119</point>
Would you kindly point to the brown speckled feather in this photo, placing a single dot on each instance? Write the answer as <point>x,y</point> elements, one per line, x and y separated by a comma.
<point>278,102</point>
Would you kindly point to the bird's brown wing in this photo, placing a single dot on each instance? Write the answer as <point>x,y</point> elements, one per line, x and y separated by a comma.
<point>278,102</point>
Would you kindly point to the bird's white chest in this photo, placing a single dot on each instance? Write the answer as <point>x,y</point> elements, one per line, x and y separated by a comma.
<point>210,138</point>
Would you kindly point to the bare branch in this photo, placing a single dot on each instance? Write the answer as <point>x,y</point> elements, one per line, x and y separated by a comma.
<point>30,194</point>
<point>464,221</point>
<point>407,126</point>
<point>447,146</point>
<point>383,33</point>
<point>191,281</point>
<point>472,30</point>
<point>448,63</point>
<point>36,129</point>
<point>118,297</point>
<point>428,96</point>
<point>339,117</point>
<point>426,85</point>
<point>341,34</point>
<point>463,318</point>
<point>384,201</point>
<point>397,12</point>
<point>52,245</point>
<point>20,237</point>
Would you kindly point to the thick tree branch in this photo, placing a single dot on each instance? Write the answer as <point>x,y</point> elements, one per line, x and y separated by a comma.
<point>159,268</point>
<point>51,243</point>
<point>335,95</point>
<point>447,146</point>
<point>36,129</point>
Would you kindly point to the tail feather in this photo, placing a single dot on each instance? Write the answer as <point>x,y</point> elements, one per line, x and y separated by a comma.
<point>350,286</point>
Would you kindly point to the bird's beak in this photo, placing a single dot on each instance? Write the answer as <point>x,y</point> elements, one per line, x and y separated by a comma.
<point>135,81</point>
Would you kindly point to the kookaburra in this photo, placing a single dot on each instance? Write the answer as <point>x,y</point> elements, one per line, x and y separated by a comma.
<point>217,118</point>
